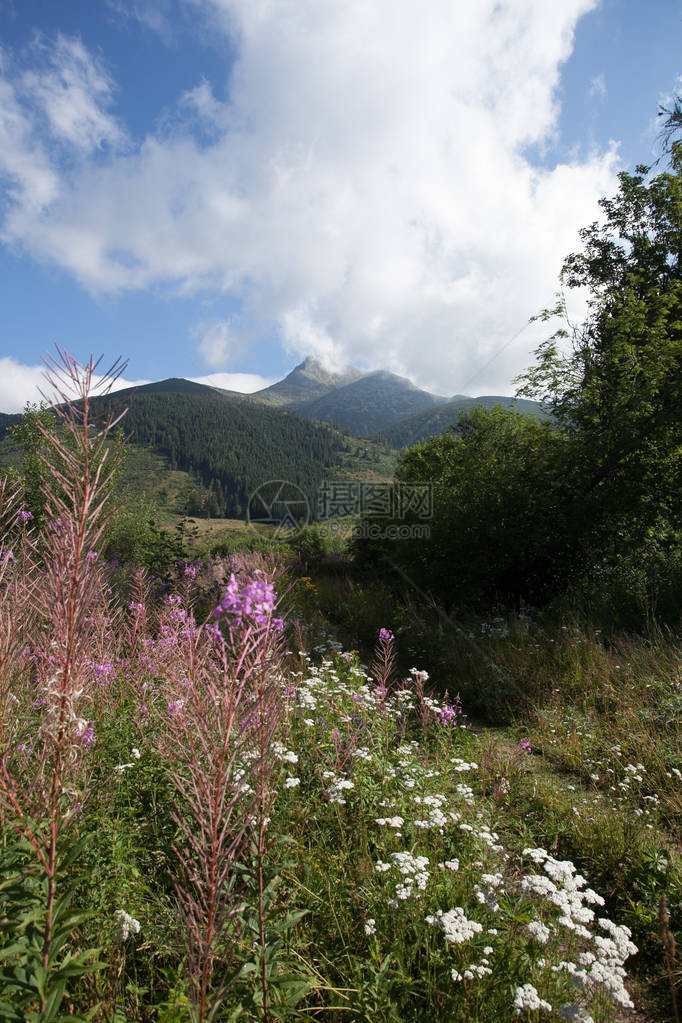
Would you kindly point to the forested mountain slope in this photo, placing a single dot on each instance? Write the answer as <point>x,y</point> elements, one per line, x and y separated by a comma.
<point>434,421</point>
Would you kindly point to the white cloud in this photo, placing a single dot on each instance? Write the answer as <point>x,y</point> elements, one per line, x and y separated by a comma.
<point>20,384</point>
<point>72,90</point>
<point>245,383</point>
<point>219,343</point>
<point>23,161</point>
<point>366,190</point>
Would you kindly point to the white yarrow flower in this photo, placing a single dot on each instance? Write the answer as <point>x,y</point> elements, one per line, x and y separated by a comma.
<point>125,926</point>
<point>527,999</point>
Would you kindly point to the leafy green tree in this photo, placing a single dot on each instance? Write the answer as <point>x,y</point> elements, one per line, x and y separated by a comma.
<point>499,529</point>
<point>32,433</point>
<point>617,392</point>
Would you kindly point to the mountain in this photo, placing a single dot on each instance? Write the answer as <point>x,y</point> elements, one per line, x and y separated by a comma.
<point>225,444</point>
<point>370,404</point>
<point>178,385</point>
<point>435,421</point>
<point>307,381</point>
<point>233,447</point>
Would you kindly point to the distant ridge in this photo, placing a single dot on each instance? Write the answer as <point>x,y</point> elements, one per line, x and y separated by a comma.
<point>376,404</point>
<point>435,421</point>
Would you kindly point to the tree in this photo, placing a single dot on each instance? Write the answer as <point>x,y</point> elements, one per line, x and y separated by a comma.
<point>499,529</point>
<point>671,129</point>
<point>32,434</point>
<point>521,508</point>
<point>618,391</point>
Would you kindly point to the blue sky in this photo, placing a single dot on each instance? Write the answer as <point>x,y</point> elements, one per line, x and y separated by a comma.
<point>215,189</point>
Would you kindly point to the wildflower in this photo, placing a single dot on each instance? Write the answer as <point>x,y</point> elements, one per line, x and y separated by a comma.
<point>456,928</point>
<point>450,864</point>
<point>527,999</point>
<point>25,515</point>
<point>256,601</point>
<point>292,783</point>
<point>86,733</point>
<point>449,713</point>
<point>125,926</point>
<point>525,746</point>
<point>474,971</point>
<point>539,931</point>
<point>486,892</point>
<point>370,926</point>
<point>282,753</point>
<point>386,636</point>
<point>339,786</point>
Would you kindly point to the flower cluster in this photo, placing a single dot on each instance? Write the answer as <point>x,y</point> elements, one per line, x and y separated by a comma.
<point>125,926</point>
<point>456,927</point>
<point>254,602</point>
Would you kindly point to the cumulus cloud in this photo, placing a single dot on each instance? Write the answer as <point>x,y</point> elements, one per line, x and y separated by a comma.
<point>245,383</point>
<point>365,191</point>
<point>20,384</point>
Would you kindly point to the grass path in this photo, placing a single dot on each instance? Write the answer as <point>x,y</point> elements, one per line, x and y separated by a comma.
<point>552,804</point>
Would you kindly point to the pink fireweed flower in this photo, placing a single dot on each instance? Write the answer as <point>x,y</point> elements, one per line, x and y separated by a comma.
<point>386,636</point>
<point>85,733</point>
<point>25,515</point>
<point>525,746</point>
<point>255,601</point>
<point>449,712</point>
